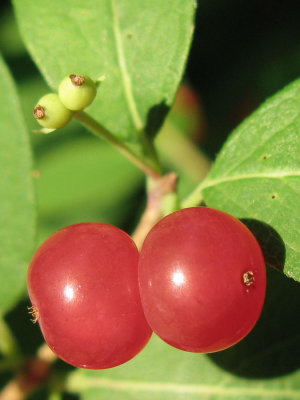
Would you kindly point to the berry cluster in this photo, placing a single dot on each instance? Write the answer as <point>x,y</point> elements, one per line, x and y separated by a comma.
<point>75,93</point>
<point>199,283</point>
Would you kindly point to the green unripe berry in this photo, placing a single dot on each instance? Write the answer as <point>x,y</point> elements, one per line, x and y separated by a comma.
<point>77,91</point>
<point>51,113</point>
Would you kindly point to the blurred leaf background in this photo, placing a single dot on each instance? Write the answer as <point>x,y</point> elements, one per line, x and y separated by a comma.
<point>242,53</point>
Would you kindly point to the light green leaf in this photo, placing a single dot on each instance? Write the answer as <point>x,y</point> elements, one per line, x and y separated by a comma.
<point>256,177</point>
<point>140,46</point>
<point>261,367</point>
<point>17,213</point>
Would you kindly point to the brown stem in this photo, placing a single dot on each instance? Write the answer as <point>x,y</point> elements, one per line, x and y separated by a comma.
<point>32,375</point>
<point>153,212</point>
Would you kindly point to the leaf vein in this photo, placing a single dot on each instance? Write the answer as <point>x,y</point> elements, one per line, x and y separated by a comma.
<point>190,388</point>
<point>126,80</point>
<point>255,149</point>
<point>270,175</point>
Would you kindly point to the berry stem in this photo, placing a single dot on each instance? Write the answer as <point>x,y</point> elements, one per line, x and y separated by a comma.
<point>158,190</point>
<point>149,166</point>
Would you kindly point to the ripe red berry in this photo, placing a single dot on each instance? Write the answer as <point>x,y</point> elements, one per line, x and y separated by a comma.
<point>202,280</point>
<point>83,285</point>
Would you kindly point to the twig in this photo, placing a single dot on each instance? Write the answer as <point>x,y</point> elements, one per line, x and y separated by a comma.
<point>149,166</point>
<point>157,190</point>
<point>31,376</point>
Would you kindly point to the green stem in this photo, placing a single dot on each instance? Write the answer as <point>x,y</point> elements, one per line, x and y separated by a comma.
<point>184,155</point>
<point>179,149</point>
<point>8,345</point>
<point>157,191</point>
<point>149,167</point>
<point>170,203</point>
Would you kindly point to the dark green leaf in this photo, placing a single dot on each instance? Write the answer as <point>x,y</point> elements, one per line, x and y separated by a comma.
<point>17,213</point>
<point>256,177</point>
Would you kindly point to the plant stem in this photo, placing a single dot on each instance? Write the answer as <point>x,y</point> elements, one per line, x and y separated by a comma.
<point>158,190</point>
<point>149,167</point>
<point>182,153</point>
<point>12,391</point>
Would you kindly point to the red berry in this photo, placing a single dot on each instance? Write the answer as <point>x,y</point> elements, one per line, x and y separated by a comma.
<point>202,280</point>
<point>83,286</point>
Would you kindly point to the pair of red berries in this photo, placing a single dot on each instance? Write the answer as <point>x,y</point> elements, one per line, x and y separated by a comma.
<point>199,283</point>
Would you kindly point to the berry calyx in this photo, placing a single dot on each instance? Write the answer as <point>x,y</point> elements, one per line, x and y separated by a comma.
<point>83,286</point>
<point>39,112</point>
<point>51,113</point>
<point>77,91</point>
<point>77,80</point>
<point>202,280</point>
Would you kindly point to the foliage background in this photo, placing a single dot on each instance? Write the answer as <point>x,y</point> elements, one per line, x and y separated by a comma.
<point>243,52</point>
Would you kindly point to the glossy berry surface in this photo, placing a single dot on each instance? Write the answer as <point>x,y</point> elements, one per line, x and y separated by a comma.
<point>77,91</point>
<point>83,282</point>
<point>51,113</point>
<point>202,280</point>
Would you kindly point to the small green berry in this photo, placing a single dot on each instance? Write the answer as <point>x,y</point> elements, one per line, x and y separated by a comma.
<point>77,91</point>
<point>51,113</point>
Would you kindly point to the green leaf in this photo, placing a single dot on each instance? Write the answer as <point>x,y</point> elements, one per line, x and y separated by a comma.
<point>17,211</point>
<point>161,372</point>
<point>82,180</point>
<point>256,177</point>
<point>141,47</point>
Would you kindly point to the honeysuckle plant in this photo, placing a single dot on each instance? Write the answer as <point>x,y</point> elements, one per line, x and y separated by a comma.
<point>160,109</point>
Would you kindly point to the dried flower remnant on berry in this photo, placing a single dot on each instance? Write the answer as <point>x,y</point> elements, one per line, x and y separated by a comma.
<point>77,80</point>
<point>51,113</point>
<point>39,112</point>
<point>248,278</point>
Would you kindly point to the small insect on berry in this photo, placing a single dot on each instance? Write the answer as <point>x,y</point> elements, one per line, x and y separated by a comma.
<point>51,113</point>
<point>77,91</point>
<point>34,311</point>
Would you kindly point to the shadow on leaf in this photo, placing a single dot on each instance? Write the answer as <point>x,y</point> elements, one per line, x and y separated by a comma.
<point>272,348</point>
<point>270,242</point>
<point>70,396</point>
<point>156,117</point>
<point>27,334</point>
